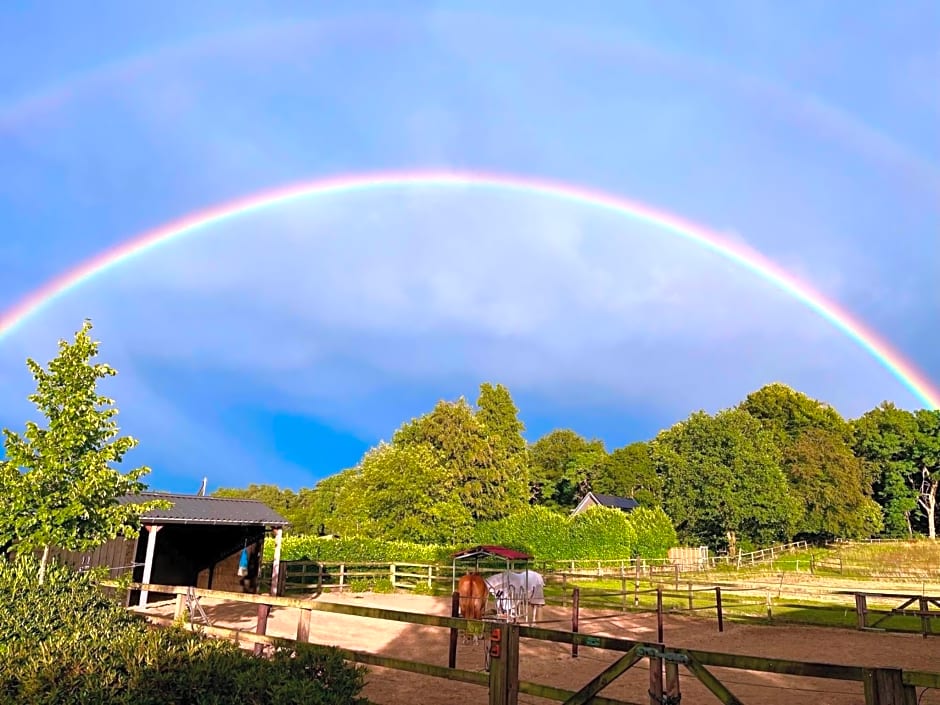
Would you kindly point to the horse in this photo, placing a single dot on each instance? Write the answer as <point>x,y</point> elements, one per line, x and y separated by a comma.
<point>518,590</point>
<point>473,594</point>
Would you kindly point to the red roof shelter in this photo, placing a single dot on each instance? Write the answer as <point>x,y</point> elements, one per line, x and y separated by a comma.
<point>510,555</point>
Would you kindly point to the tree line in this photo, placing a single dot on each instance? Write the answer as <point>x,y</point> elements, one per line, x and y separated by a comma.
<point>778,466</point>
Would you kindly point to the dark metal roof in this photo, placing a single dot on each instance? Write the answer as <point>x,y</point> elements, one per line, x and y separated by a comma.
<point>493,551</point>
<point>198,509</point>
<point>609,500</point>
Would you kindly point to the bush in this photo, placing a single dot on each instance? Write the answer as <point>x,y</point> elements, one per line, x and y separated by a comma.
<point>356,550</point>
<point>537,530</point>
<point>654,532</point>
<point>64,644</point>
<point>602,533</point>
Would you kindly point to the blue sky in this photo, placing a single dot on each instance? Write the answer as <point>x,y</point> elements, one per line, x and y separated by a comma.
<point>279,346</point>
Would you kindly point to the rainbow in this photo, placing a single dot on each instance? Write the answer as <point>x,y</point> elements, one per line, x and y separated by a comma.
<point>740,254</point>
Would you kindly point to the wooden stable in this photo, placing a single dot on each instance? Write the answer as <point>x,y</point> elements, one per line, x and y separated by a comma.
<point>882,686</point>
<point>198,542</point>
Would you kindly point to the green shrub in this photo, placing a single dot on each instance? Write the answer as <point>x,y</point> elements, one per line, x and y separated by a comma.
<point>382,585</point>
<point>602,533</point>
<point>64,644</point>
<point>654,532</point>
<point>537,530</point>
<point>356,550</point>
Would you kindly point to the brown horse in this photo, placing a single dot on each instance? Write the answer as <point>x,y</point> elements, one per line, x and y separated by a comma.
<point>473,593</point>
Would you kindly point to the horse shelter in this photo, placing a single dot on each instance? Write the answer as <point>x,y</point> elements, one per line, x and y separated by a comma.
<point>512,590</point>
<point>206,542</point>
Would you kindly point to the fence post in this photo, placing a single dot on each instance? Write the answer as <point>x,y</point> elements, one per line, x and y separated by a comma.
<point>721,617</point>
<point>676,567</point>
<point>452,648</point>
<point>861,610</point>
<point>659,613</point>
<point>884,686</point>
<point>181,601</point>
<point>575,614</point>
<point>636,584</point>
<point>504,664</point>
<point>391,573</point>
<point>342,576</point>
<point>319,578</point>
<point>262,626</point>
<point>430,576</point>
<point>303,626</point>
<point>564,590</point>
<point>656,678</point>
<point>924,617</point>
<point>672,682</point>
<point>623,589</point>
<point>691,605</point>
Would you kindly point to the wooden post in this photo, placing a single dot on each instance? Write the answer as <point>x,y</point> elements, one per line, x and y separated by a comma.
<point>924,618</point>
<point>391,573</point>
<point>303,626</point>
<point>861,610</point>
<point>148,561</point>
<point>504,664</point>
<point>452,648</point>
<point>672,682</point>
<point>721,618</point>
<point>430,576</point>
<point>656,679</point>
<point>575,614</point>
<point>770,610</point>
<point>691,603</point>
<point>180,604</point>
<point>812,563</point>
<point>276,566</point>
<point>262,626</point>
<point>564,590</point>
<point>623,590</point>
<point>676,567</point>
<point>884,686</point>
<point>659,614</point>
<point>342,576</point>
<point>636,584</point>
<point>319,578</point>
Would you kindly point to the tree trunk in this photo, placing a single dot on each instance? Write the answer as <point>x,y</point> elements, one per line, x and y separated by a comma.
<point>928,501</point>
<point>43,562</point>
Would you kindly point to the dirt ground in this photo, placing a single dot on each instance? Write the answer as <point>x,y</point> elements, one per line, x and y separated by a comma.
<point>552,664</point>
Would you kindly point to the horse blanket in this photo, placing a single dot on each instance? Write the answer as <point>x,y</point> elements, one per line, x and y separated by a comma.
<point>514,591</point>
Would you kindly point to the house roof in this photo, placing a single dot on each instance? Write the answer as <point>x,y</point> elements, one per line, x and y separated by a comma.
<point>198,509</point>
<point>609,500</point>
<point>508,554</point>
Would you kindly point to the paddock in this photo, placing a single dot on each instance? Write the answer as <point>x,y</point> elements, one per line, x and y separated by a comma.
<point>552,663</point>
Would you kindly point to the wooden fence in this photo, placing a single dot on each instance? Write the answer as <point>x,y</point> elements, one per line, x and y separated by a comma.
<point>882,686</point>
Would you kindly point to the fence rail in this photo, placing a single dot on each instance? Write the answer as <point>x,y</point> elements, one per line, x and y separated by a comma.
<point>881,685</point>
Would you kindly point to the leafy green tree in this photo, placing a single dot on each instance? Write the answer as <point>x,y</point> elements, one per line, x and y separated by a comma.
<point>888,438</point>
<point>405,493</point>
<point>487,487</point>
<point>563,467</point>
<point>59,482</point>
<point>786,412</point>
<point>832,486</point>
<point>630,472</point>
<point>722,480</point>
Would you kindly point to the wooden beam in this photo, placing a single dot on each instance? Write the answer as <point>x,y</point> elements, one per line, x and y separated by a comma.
<point>276,566</point>
<point>148,561</point>
<point>550,692</point>
<point>712,683</point>
<point>604,678</point>
<point>303,626</point>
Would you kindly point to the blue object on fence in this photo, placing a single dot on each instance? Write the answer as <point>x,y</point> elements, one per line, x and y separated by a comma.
<point>243,563</point>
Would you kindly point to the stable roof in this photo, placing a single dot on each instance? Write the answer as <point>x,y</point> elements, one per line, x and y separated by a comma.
<point>212,511</point>
<point>508,554</point>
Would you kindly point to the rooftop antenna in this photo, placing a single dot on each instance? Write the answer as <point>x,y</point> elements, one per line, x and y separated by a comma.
<point>202,490</point>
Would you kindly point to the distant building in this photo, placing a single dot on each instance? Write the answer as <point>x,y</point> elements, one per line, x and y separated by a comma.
<point>592,499</point>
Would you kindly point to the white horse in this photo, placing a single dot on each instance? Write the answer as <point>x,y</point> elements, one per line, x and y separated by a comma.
<point>516,593</point>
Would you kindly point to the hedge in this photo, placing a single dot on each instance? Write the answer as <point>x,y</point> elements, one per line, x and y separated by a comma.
<point>599,533</point>
<point>64,643</point>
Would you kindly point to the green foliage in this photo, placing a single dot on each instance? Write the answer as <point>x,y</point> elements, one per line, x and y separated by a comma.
<point>356,550</point>
<point>787,413</point>
<point>59,484</point>
<point>405,493</point>
<point>602,533</point>
<point>630,472</point>
<point>723,481</point>
<point>537,530</point>
<point>64,644</point>
<point>564,466</point>
<point>653,531</point>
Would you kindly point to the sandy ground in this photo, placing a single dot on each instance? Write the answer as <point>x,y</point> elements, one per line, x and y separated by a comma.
<point>552,664</point>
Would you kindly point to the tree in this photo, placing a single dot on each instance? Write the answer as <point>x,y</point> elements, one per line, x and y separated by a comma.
<point>563,467</point>
<point>630,472</point>
<point>59,484</point>
<point>903,447</point>
<point>722,480</point>
<point>405,493</point>
<point>832,486</point>
<point>786,412</point>
<point>487,485</point>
